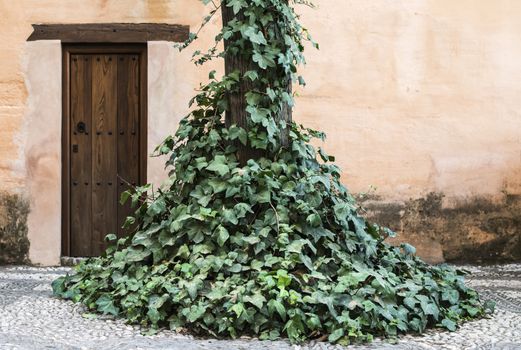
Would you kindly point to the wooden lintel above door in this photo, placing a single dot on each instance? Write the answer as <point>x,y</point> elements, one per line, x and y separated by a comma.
<point>110,32</point>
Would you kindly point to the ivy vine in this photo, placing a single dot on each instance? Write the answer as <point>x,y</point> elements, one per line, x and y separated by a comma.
<point>271,246</point>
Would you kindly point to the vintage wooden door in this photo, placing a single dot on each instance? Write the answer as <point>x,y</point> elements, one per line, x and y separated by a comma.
<point>105,112</point>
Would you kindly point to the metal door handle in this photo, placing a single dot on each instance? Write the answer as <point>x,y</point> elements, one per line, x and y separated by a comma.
<point>81,128</point>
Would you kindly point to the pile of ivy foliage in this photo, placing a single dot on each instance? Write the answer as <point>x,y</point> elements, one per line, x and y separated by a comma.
<point>271,248</point>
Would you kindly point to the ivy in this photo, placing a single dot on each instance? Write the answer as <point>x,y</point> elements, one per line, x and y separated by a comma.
<point>272,248</point>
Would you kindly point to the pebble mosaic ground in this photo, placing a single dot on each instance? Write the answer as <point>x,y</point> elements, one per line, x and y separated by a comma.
<point>31,319</point>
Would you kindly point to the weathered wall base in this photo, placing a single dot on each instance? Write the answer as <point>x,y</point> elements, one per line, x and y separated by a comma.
<point>478,229</point>
<point>14,244</point>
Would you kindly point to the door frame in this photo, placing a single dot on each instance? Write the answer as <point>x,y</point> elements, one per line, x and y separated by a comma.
<point>112,48</point>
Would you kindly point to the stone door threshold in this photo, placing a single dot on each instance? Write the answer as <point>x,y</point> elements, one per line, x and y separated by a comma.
<point>71,260</point>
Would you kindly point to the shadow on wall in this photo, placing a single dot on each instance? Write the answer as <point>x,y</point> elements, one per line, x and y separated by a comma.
<point>474,230</point>
<point>14,244</point>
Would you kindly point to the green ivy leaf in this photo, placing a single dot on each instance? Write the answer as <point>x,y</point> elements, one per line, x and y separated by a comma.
<point>218,165</point>
<point>306,260</point>
<point>296,246</point>
<point>236,132</point>
<point>124,197</point>
<point>238,309</point>
<point>252,75</point>
<point>276,306</point>
<point>105,304</point>
<point>258,115</point>
<point>336,335</point>
<point>241,209</point>
<point>261,60</point>
<point>314,220</point>
<point>196,312</point>
<point>263,196</point>
<point>429,308</point>
<point>256,265</point>
<point>410,302</point>
<point>222,235</point>
<point>251,239</point>
<point>451,295</point>
<point>235,268</point>
<point>409,249</point>
<point>237,5</point>
<point>257,299</point>
<point>230,217</point>
<point>192,287</point>
<point>255,36</point>
<point>449,324</point>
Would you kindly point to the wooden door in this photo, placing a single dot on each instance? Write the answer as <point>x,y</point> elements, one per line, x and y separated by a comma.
<point>105,93</point>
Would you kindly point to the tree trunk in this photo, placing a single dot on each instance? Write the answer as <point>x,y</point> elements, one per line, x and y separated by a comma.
<point>236,113</point>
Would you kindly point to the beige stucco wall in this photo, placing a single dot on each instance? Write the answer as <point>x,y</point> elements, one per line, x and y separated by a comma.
<point>415,96</point>
<point>41,147</point>
<point>168,92</point>
<point>419,96</point>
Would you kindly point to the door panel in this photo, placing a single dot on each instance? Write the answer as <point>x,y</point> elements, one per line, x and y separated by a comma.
<point>128,127</point>
<point>81,157</point>
<point>105,100</point>
<point>104,164</point>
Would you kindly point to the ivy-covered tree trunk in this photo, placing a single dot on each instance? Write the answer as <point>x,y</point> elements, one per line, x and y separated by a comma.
<point>237,60</point>
<point>272,249</point>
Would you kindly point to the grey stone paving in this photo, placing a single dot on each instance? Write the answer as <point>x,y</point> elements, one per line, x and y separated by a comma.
<point>30,318</point>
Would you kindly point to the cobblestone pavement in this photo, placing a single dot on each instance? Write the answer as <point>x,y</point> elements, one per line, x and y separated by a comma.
<point>31,319</point>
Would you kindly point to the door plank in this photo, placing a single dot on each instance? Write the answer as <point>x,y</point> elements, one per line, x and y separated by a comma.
<point>128,130</point>
<point>104,150</point>
<point>80,155</point>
